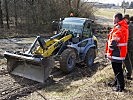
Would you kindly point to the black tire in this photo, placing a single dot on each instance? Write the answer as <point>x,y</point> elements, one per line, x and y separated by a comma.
<point>68,60</point>
<point>90,56</point>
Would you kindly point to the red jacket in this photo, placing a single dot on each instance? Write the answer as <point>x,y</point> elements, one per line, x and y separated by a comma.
<point>116,46</point>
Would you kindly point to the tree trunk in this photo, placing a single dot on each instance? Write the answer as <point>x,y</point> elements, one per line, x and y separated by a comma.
<point>15,13</point>
<point>1,16</point>
<point>7,14</point>
<point>33,12</point>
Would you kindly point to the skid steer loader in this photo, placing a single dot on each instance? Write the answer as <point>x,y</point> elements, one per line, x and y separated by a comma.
<point>75,43</point>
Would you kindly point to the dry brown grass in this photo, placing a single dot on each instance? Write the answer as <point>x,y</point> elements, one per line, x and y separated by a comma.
<point>109,13</point>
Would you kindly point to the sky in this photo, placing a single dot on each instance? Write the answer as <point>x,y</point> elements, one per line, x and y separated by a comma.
<point>117,2</point>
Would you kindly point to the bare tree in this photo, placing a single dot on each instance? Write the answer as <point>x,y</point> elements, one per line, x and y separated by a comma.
<point>37,15</point>
<point>80,8</point>
<point>15,12</point>
<point>1,16</point>
<point>32,6</point>
<point>7,14</point>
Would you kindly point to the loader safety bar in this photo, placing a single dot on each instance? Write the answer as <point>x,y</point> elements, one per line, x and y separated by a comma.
<point>41,42</point>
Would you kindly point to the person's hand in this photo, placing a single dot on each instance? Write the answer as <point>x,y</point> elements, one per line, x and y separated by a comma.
<point>113,44</point>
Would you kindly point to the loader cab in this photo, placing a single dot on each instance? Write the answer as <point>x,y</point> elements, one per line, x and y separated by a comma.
<point>80,27</point>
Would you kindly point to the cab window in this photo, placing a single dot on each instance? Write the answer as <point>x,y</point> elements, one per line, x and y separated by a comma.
<point>87,32</point>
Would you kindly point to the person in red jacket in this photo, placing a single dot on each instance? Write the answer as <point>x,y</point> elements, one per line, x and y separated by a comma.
<point>116,49</point>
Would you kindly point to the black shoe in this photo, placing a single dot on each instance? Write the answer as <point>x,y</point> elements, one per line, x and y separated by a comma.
<point>120,90</point>
<point>117,89</point>
<point>129,78</point>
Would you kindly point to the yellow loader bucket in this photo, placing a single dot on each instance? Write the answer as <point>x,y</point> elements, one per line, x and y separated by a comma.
<point>34,68</point>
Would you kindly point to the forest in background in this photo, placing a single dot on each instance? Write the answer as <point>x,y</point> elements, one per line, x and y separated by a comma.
<point>31,16</point>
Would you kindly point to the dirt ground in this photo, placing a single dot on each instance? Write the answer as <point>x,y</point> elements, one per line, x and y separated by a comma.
<point>82,84</point>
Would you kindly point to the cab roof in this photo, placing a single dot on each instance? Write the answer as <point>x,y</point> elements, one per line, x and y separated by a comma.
<point>76,20</point>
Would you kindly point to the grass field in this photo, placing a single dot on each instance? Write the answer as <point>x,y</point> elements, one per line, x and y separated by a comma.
<point>106,12</point>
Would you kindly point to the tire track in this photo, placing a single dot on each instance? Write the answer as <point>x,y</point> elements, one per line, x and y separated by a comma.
<point>12,87</point>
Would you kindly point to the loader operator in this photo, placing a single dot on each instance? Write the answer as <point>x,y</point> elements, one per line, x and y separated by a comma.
<point>127,63</point>
<point>71,14</point>
<point>116,49</point>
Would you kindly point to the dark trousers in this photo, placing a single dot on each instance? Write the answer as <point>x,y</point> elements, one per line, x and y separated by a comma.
<point>119,77</point>
<point>128,65</point>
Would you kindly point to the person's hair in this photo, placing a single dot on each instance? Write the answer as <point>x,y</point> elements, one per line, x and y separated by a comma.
<point>131,18</point>
<point>127,17</point>
<point>71,14</point>
<point>119,15</point>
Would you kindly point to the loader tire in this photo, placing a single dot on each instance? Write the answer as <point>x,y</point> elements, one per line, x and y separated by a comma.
<point>90,56</point>
<point>67,60</point>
